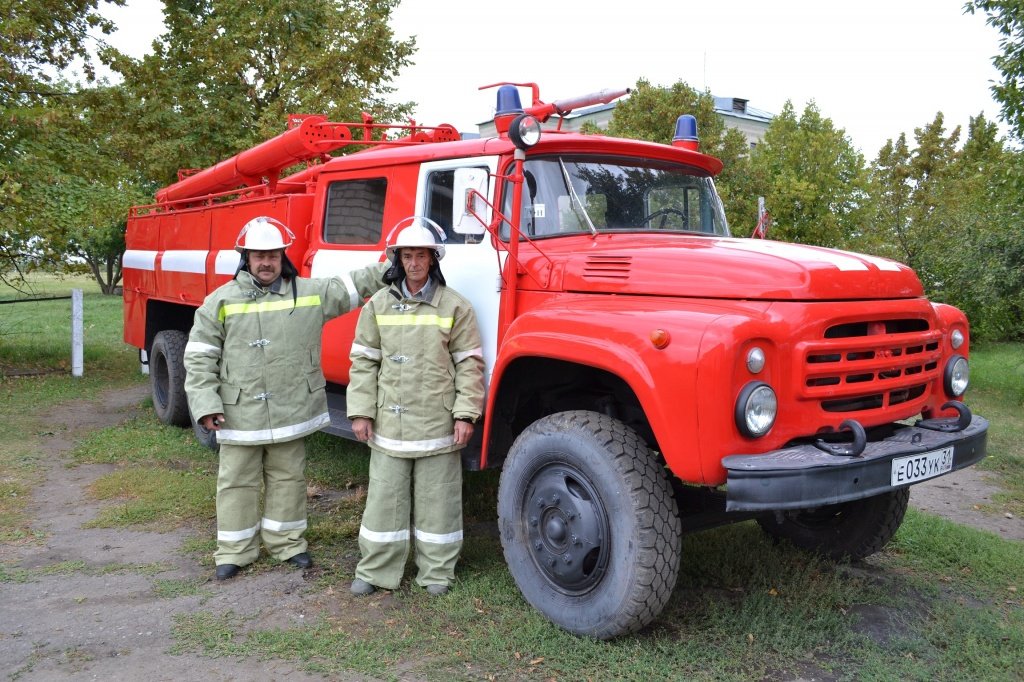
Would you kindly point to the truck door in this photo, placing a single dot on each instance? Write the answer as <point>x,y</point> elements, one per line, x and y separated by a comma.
<point>355,210</point>
<point>470,265</point>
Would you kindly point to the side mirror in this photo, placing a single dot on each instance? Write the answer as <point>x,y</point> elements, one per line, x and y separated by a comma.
<point>469,188</point>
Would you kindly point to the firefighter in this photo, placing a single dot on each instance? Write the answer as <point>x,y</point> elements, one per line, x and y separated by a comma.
<point>253,376</point>
<point>416,389</point>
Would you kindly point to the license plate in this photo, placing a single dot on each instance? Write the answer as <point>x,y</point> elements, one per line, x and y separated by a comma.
<point>921,467</point>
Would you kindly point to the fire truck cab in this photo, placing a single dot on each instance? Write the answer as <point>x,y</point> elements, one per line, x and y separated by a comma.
<point>648,374</point>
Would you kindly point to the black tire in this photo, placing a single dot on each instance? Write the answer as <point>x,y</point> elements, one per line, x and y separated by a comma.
<point>843,532</point>
<point>206,437</point>
<point>167,377</point>
<point>588,524</point>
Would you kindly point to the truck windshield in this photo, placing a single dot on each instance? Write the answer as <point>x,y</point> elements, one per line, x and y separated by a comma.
<point>572,194</point>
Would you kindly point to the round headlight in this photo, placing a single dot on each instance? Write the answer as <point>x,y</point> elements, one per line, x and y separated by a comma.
<point>957,376</point>
<point>956,339</point>
<point>756,409</point>
<point>755,360</point>
<point>524,131</point>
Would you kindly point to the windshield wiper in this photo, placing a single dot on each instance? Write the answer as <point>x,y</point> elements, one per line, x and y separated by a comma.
<point>574,199</point>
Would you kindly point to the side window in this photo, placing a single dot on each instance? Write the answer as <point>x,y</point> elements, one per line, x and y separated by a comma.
<point>440,196</point>
<point>355,211</point>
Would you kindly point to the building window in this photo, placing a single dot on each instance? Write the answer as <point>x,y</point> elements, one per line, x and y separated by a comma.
<point>355,211</point>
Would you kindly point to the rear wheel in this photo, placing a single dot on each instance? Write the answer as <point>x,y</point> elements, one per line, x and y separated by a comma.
<point>588,524</point>
<point>847,531</point>
<point>167,377</point>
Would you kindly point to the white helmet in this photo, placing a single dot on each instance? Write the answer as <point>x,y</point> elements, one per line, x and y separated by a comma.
<point>264,234</point>
<point>416,232</point>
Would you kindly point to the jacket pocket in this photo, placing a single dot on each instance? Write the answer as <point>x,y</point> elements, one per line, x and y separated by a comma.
<point>316,381</point>
<point>229,394</point>
<point>448,395</point>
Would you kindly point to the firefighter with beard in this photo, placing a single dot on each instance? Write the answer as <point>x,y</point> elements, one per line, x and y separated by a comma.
<point>416,389</point>
<point>253,376</point>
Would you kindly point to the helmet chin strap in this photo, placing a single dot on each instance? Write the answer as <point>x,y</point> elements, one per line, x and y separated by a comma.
<point>288,272</point>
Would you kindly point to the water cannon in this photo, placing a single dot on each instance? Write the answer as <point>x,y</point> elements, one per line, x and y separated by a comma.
<point>509,106</point>
<point>564,106</point>
<point>686,133</point>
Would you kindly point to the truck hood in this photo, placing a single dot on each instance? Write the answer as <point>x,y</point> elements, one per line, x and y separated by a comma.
<point>728,268</point>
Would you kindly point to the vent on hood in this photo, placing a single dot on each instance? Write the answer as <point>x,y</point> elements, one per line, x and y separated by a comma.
<point>607,267</point>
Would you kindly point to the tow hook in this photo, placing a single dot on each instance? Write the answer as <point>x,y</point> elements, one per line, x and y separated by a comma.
<point>950,425</point>
<point>854,449</point>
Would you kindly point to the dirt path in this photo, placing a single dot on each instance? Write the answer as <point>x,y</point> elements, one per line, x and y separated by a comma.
<point>107,621</point>
<point>958,497</point>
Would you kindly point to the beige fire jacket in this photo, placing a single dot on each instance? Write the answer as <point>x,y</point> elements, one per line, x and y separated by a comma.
<point>417,366</point>
<point>254,354</point>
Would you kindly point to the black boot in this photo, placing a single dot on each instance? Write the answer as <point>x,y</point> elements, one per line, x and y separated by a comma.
<point>301,560</point>
<point>225,571</point>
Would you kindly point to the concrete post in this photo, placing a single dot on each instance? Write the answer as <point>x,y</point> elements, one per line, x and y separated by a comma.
<point>77,333</point>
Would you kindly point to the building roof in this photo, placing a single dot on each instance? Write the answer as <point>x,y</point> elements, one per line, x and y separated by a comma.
<point>738,107</point>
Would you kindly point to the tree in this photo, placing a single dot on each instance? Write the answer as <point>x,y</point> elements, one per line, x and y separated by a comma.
<point>226,74</point>
<point>955,216</point>
<point>812,179</point>
<point>75,193</point>
<point>38,38</point>
<point>650,113</point>
<point>41,37</point>
<point>908,190</point>
<point>1007,17</point>
<point>979,263</point>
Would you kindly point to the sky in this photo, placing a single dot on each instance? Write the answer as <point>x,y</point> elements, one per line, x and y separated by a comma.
<point>876,68</point>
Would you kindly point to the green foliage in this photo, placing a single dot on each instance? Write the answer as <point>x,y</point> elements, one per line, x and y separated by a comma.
<point>954,215</point>
<point>1007,17</point>
<point>223,77</point>
<point>811,177</point>
<point>38,38</point>
<point>227,73</point>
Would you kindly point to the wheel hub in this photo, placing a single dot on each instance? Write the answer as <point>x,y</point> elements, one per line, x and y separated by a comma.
<point>567,528</point>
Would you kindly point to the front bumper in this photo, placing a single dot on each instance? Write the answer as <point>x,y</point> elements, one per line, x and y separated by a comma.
<point>803,476</point>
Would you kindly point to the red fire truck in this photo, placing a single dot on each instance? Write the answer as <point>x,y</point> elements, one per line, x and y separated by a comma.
<point>647,374</point>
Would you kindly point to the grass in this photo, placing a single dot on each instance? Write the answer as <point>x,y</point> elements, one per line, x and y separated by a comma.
<point>942,602</point>
<point>36,336</point>
<point>997,392</point>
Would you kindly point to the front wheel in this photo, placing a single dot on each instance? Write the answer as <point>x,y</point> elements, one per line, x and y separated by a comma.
<point>848,531</point>
<point>588,524</point>
<point>167,377</point>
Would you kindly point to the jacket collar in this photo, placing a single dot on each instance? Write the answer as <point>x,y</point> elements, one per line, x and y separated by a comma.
<point>433,290</point>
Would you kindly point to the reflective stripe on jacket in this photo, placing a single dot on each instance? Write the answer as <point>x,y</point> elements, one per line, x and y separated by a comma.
<point>254,354</point>
<point>416,367</point>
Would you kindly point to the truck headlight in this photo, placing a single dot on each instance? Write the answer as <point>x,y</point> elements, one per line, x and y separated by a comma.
<point>956,376</point>
<point>756,409</point>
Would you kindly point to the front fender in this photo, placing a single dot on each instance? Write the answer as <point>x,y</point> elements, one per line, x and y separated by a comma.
<point>613,334</point>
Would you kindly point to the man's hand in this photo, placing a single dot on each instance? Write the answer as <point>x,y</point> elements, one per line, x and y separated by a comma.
<point>212,422</point>
<point>463,432</point>
<point>363,428</point>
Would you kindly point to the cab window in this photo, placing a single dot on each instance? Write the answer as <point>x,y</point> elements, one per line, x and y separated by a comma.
<point>355,211</point>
